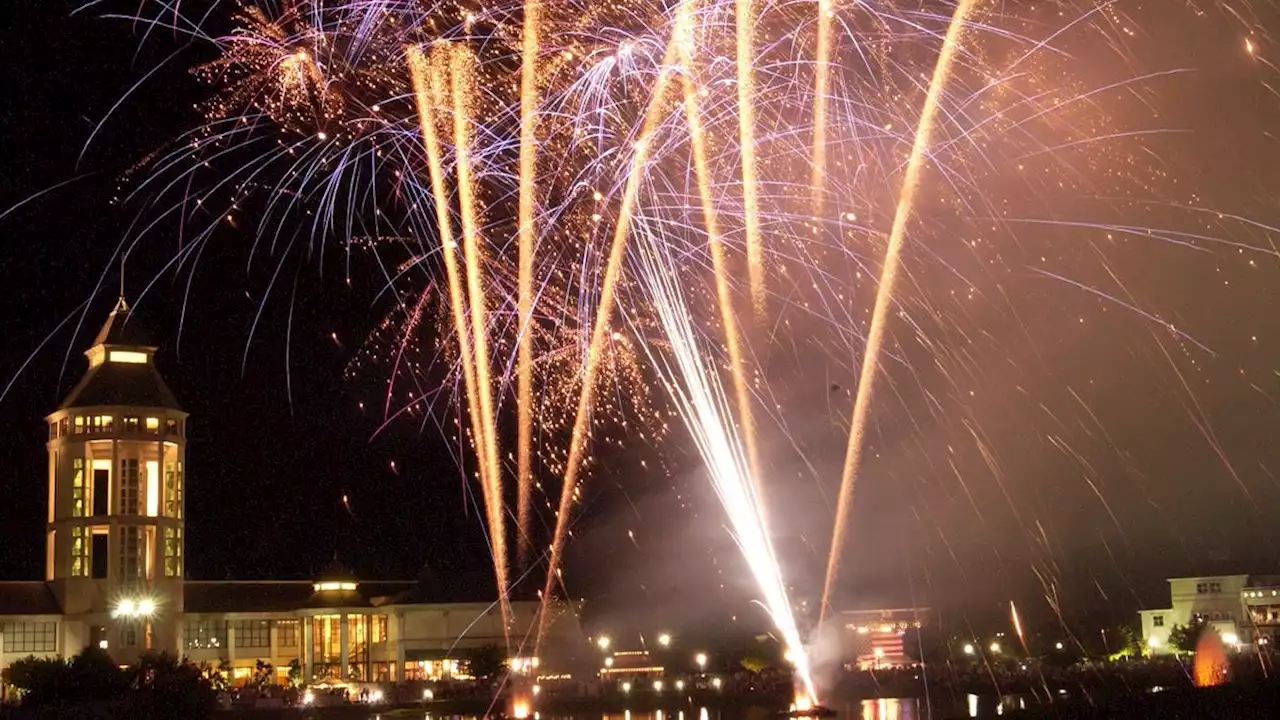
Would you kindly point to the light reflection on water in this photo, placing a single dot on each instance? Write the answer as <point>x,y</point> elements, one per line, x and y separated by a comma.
<point>973,706</point>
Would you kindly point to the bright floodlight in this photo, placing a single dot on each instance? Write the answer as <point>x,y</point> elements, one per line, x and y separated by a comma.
<point>664,640</point>
<point>968,648</point>
<point>603,642</point>
<point>657,686</point>
<point>1153,642</point>
<point>626,687</point>
<point>1058,645</point>
<point>701,659</point>
<point>126,608</point>
<point>147,607</point>
<point>995,648</point>
<point>1230,638</point>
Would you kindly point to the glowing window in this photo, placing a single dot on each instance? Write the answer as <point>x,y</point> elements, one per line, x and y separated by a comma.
<point>331,586</point>
<point>79,553</point>
<point>153,425</point>
<point>127,356</point>
<point>153,488</point>
<point>173,552</point>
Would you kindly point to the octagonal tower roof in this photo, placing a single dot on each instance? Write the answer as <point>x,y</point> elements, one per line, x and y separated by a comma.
<point>122,368</point>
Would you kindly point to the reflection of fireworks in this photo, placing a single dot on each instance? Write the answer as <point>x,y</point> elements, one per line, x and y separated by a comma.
<point>642,110</point>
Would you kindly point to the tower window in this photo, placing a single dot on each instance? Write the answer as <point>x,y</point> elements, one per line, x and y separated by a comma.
<point>129,486</point>
<point>171,428</point>
<point>153,425</point>
<point>153,488</point>
<point>173,552</point>
<point>129,424</point>
<point>63,425</point>
<point>173,489</point>
<point>127,356</point>
<point>99,557</point>
<point>102,423</point>
<point>101,488</point>
<point>79,426</point>
<point>77,487</point>
<point>130,552</point>
<point>79,553</point>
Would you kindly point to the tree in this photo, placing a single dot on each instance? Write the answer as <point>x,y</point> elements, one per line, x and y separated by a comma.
<point>486,662</point>
<point>167,687</point>
<point>91,676</point>
<point>1183,638</point>
<point>264,673</point>
<point>39,680</point>
<point>295,673</point>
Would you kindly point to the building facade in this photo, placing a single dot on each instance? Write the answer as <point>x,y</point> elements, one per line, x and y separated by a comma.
<point>115,550</point>
<point>1243,609</point>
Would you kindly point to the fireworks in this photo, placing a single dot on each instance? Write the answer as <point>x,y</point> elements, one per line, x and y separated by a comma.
<point>568,198</point>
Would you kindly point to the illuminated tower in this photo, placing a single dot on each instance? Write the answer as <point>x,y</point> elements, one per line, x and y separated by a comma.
<point>115,544</point>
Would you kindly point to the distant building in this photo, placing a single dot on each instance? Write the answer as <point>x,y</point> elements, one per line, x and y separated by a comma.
<point>115,555</point>
<point>876,638</point>
<point>1243,609</point>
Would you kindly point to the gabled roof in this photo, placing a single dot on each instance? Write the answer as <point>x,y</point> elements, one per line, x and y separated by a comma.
<point>28,598</point>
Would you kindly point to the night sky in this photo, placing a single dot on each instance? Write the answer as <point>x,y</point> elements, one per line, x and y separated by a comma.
<point>1099,414</point>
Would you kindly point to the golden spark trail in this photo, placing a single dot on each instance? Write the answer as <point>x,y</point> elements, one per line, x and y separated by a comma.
<point>821,79</point>
<point>461,77</point>
<point>884,295</point>
<point>429,93</point>
<point>747,140</point>
<point>732,338</point>
<point>600,331</point>
<point>524,307</point>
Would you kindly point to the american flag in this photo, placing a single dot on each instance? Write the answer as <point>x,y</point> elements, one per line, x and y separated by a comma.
<point>880,647</point>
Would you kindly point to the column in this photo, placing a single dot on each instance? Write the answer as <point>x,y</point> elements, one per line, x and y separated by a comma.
<point>400,671</point>
<point>231,649</point>
<point>113,480</point>
<point>344,643</point>
<point>271,644</point>
<point>308,658</point>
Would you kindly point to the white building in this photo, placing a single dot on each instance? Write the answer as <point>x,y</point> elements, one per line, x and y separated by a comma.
<point>115,550</point>
<point>1243,609</point>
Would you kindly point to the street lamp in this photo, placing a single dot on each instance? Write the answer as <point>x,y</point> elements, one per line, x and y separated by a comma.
<point>968,648</point>
<point>1057,645</point>
<point>130,608</point>
<point>701,659</point>
<point>603,641</point>
<point>995,648</point>
<point>664,640</point>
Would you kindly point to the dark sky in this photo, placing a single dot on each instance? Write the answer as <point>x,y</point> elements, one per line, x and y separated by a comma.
<point>1040,437</point>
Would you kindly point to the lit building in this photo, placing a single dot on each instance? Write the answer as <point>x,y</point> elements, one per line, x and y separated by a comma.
<point>1241,608</point>
<point>115,550</point>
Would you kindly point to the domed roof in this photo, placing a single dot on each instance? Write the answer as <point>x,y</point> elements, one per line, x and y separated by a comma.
<point>135,384</point>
